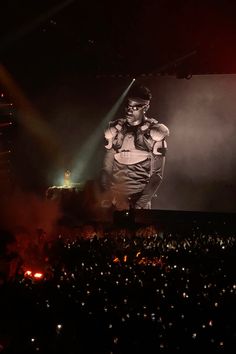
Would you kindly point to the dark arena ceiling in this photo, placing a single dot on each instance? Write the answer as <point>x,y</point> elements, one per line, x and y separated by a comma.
<point>48,38</point>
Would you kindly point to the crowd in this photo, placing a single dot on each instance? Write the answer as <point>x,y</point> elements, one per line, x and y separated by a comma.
<point>149,292</point>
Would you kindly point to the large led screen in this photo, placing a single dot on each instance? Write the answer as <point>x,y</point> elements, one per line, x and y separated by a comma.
<point>200,167</point>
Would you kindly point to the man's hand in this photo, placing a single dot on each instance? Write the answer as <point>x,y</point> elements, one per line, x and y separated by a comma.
<point>120,202</point>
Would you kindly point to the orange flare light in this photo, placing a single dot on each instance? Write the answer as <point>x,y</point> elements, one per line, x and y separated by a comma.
<point>38,275</point>
<point>30,274</point>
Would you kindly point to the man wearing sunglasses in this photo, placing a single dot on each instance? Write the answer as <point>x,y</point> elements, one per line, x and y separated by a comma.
<point>135,155</point>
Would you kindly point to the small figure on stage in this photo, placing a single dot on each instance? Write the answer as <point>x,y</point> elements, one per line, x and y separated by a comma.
<point>67,180</point>
<point>135,155</point>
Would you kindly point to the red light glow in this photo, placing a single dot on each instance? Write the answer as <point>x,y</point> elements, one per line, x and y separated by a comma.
<point>30,274</point>
<point>38,275</point>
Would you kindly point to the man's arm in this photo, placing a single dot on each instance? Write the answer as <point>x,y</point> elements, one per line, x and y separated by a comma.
<point>106,173</point>
<point>157,172</point>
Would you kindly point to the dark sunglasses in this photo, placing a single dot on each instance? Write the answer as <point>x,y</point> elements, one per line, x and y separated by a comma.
<point>136,107</point>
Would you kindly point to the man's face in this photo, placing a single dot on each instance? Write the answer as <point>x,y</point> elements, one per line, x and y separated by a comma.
<point>135,111</point>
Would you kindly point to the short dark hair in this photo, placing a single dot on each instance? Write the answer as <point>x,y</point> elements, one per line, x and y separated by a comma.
<point>140,92</point>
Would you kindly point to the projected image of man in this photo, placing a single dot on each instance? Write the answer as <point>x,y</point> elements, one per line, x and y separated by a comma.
<point>135,154</point>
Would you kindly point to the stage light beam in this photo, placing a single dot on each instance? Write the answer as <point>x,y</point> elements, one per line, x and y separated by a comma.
<point>87,151</point>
